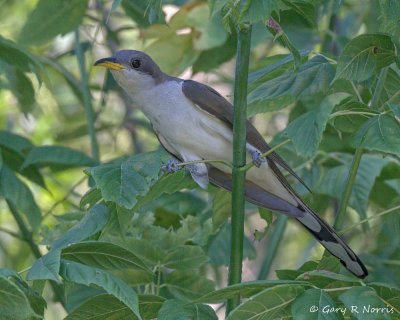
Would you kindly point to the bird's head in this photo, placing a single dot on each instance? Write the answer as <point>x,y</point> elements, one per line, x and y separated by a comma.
<point>132,69</point>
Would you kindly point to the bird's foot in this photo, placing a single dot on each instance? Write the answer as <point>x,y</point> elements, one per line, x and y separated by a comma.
<point>258,160</point>
<point>171,166</point>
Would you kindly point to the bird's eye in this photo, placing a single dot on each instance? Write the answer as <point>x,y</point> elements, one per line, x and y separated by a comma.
<point>135,63</point>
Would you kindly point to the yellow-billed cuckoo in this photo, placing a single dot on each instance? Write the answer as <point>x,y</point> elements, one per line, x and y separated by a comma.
<point>194,122</point>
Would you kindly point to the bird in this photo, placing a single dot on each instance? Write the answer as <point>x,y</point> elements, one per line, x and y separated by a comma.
<point>194,122</point>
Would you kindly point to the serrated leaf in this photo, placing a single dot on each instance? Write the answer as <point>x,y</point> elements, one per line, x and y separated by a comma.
<point>124,181</point>
<point>306,131</point>
<point>181,310</point>
<point>314,76</point>
<point>272,303</point>
<point>304,306</point>
<point>390,295</point>
<point>18,193</point>
<point>185,257</point>
<point>380,133</point>
<point>13,302</point>
<point>188,285</point>
<point>57,156</point>
<point>81,274</point>
<point>47,267</point>
<point>51,18</point>
<point>103,255</point>
<point>364,56</point>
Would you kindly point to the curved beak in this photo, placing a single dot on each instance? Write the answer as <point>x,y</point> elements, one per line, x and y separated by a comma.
<point>109,63</point>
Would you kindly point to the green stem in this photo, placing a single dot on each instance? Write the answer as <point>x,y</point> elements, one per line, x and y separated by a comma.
<point>27,236</point>
<point>87,99</point>
<point>239,160</point>
<point>349,188</point>
<point>357,156</point>
<point>274,239</point>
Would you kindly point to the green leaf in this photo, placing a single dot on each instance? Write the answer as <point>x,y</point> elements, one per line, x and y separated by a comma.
<point>334,181</point>
<point>247,289</point>
<point>314,76</point>
<point>107,307</point>
<point>389,295</point>
<point>102,307</point>
<point>103,255</point>
<point>57,156</point>
<point>181,310</point>
<point>304,8</point>
<point>187,285</point>
<point>364,56</point>
<point>380,133</point>
<point>13,302</point>
<point>210,31</point>
<point>136,11</point>
<point>221,207</point>
<point>14,142</point>
<point>259,10</point>
<point>47,267</point>
<point>185,257</point>
<point>304,306</point>
<point>306,131</point>
<point>22,88</point>
<point>350,115</point>
<point>81,274</point>
<point>360,300</point>
<point>390,17</point>
<point>51,18</point>
<point>17,56</point>
<point>272,303</point>
<point>145,250</point>
<point>18,193</point>
<point>124,181</point>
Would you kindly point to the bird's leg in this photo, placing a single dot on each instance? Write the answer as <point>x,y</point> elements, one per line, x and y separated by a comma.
<point>171,166</point>
<point>255,154</point>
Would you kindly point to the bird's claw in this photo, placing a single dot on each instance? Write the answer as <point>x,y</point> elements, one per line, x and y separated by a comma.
<point>171,166</point>
<point>257,159</point>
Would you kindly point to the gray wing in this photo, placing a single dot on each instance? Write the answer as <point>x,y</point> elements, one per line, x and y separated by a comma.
<point>221,108</point>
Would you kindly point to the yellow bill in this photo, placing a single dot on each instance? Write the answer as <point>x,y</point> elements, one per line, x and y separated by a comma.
<point>109,63</point>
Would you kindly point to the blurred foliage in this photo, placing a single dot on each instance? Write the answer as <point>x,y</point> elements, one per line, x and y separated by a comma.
<point>119,239</point>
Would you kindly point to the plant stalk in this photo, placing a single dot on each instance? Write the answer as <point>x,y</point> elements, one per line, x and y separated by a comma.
<point>239,160</point>
<point>27,236</point>
<point>357,156</point>
<point>87,99</point>
<point>274,239</point>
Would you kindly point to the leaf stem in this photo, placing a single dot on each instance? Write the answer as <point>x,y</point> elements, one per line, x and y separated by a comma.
<point>239,160</point>
<point>370,218</point>
<point>274,239</point>
<point>87,99</point>
<point>27,236</point>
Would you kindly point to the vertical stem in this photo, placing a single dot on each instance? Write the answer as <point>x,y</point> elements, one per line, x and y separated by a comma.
<point>349,188</point>
<point>274,239</point>
<point>87,99</point>
<point>27,235</point>
<point>239,159</point>
<point>357,156</point>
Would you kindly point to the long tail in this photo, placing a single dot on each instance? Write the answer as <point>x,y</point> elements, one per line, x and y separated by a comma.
<point>308,218</point>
